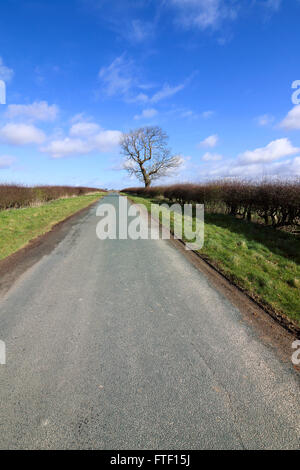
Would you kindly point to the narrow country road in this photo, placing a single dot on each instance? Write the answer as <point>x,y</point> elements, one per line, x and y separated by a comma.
<point>123,344</point>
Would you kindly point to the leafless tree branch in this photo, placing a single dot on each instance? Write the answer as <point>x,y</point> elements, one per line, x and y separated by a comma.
<point>147,156</point>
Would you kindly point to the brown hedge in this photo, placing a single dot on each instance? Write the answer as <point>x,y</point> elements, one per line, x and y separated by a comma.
<point>16,196</point>
<point>276,203</point>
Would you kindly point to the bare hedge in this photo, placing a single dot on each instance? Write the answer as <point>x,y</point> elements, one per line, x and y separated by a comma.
<point>16,196</point>
<point>275,203</point>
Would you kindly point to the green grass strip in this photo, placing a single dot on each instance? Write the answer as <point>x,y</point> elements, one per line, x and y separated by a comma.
<point>261,260</point>
<point>19,226</point>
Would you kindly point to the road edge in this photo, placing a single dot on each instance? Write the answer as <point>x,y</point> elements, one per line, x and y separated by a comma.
<point>212,271</point>
<point>14,265</point>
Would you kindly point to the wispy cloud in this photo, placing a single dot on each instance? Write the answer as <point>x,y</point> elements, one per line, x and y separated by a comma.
<point>6,161</point>
<point>166,92</point>
<point>208,156</point>
<point>121,78</point>
<point>118,76</point>
<point>207,114</point>
<point>187,114</point>
<point>211,14</point>
<point>264,120</point>
<point>80,117</point>
<point>273,4</point>
<point>125,19</point>
<point>146,114</point>
<point>204,14</point>
<point>138,31</point>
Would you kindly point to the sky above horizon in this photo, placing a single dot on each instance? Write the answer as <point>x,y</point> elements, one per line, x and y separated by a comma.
<point>216,75</point>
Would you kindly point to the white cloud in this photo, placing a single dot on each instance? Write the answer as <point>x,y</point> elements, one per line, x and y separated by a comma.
<point>6,161</point>
<point>103,141</point>
<point>84,129</point>
<point>232,169</point>
<point>292,120</point>
<point>6,73</point>
<point>286,168</point>
<point>208,156</point>
<point>264,120</point>
<point>210,141</point>
<point>293,167</point>
<point>37,111</point>
<point>106,141</point>
<point>259,163</point>
<point>21,134</point>
<point>65,147</point>
<point>273,151</point>
<point>146,114</point>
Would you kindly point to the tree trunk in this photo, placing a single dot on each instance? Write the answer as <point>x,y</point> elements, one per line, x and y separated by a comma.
<point>146,178</point>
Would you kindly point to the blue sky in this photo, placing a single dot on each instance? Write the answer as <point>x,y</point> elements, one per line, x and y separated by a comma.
<point>216,75</point>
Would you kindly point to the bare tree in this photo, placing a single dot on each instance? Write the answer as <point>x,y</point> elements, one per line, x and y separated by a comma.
<point>147,154</point>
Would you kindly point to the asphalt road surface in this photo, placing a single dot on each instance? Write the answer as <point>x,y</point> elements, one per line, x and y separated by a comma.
<point>123,344</point>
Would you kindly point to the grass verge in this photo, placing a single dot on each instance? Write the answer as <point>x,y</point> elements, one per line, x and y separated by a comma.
<point>19,226</point>
<point>263,261</point>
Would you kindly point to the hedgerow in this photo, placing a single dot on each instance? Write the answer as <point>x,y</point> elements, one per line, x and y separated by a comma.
<point>275,203</point>
<point>16,196</point>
